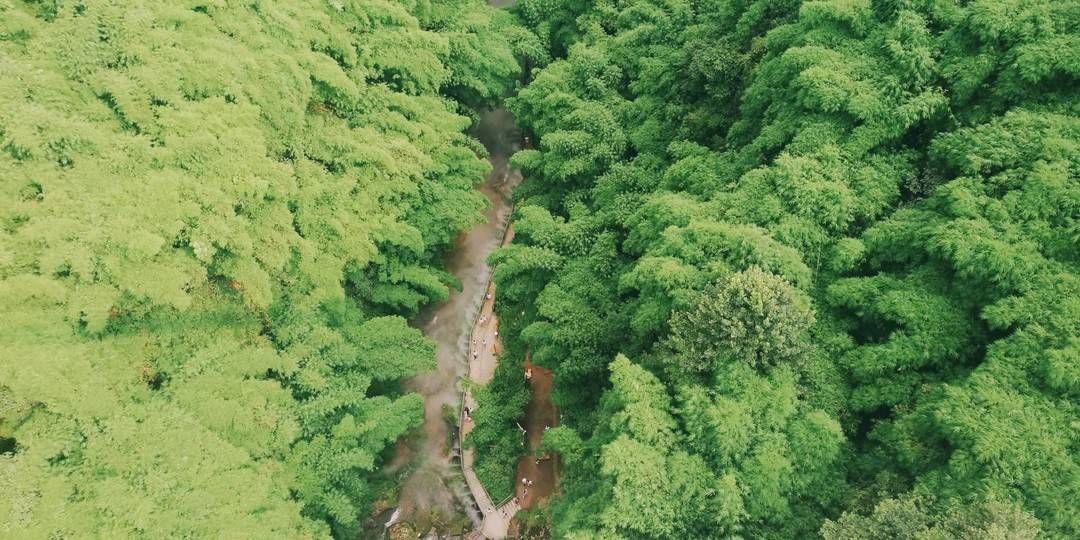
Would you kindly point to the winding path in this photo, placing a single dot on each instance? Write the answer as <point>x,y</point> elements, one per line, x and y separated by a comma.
<point>484,346</point>
<point>483,357</point>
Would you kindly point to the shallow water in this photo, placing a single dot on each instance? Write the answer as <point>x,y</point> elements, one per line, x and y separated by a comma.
<point>435,482</point>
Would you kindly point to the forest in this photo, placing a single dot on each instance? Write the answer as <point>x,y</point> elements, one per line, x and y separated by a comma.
<point>804,269</point>
<point>801,268</point>
<point>215,218</point>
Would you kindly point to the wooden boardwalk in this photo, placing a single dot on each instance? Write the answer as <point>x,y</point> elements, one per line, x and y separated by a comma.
<point>483,357</point>
<point>496,518</point>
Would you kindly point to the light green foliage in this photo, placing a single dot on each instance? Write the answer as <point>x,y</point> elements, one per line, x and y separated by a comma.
<point>484,48</point>
<point>212,217</point>
<point>734,463</point>
<point>645,406</point>
<point>653,485</point>
<point>761,433</point>
<point>908,519</point>
<point>888,188</point>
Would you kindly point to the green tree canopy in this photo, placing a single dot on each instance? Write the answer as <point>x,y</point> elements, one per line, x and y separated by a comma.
<point>213,217</point>
<point>887,187</point>
<point>752,316</point>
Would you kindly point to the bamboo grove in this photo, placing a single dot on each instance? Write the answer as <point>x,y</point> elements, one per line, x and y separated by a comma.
<point>800,268</point>
<point>803,268</point>
<point>214,217</point>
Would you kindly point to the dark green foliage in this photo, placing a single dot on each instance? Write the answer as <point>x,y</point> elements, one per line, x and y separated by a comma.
<point>213,217</point>
<point>752,317</point>
<point>709,174</point>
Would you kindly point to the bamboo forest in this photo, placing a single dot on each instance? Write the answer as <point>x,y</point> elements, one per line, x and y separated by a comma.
<point>540,269</point>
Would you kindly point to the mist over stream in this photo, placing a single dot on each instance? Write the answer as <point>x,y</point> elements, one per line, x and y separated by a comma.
<point>435,482</point>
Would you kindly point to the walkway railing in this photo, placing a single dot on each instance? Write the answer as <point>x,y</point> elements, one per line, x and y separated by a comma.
<point>496,516</point>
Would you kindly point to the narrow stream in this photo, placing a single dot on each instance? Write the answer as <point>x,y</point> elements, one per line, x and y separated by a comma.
<point>435,483</point>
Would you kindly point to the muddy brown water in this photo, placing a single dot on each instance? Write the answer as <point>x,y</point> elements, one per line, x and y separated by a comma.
<point>435,483</point>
